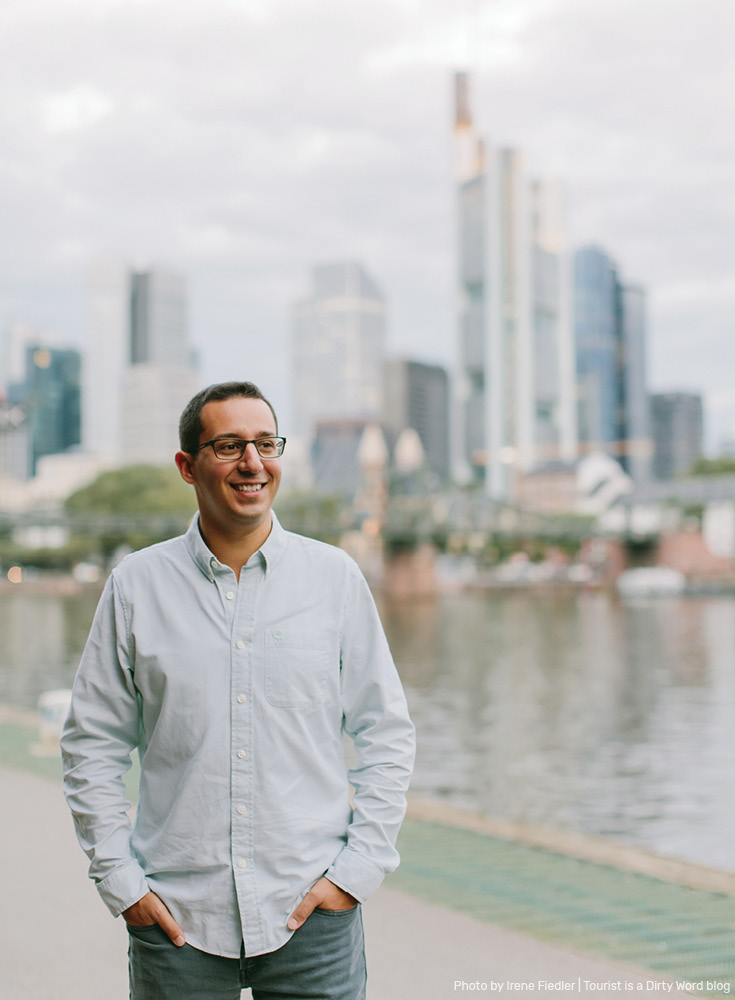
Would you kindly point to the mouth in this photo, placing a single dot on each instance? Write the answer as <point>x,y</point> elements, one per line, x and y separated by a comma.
<point>247,487</point>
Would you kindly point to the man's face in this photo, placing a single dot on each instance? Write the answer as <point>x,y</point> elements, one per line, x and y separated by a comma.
<point>234,497</point>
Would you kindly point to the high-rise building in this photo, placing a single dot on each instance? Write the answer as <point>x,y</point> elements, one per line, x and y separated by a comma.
<point>416,396</point>
<point>107,356</point>
<point>49,395</point>
<point>140,370</point>
<point>596,338</point>
<point>153,397</point>
<point>337,348</point>
<point>52,398</point>
<point>158,319</point>
<point>15,452</point>
<point>515,398</point>
<point>350,459</point>
<point>610,339</point>
<point>678,436</point>
<point>40,382</point>
<point>635,422</point>
<point>14,341</point>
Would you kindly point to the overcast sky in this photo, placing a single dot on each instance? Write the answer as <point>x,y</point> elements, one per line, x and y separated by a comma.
<point>243,141</point>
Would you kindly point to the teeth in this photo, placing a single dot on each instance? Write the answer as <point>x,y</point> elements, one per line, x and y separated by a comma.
<point>248,487</point>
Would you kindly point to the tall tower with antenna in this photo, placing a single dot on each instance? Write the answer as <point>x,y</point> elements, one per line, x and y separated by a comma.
<point>515,407</point>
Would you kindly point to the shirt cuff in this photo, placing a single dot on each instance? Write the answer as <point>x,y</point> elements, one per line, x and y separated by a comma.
<point>123,887</point>
<point>355,874</point>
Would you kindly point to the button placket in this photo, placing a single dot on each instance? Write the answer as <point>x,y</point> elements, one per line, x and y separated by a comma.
<point>242,622</point>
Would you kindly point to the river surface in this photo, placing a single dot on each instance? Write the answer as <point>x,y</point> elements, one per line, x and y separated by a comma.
<point>575,711</point>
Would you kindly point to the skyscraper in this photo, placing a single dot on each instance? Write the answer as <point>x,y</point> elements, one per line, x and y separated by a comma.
<point>52,400</point>
<point>677,427</point>
<point>416,396</point>
<point>140,371</point>
<point>107,356</point>
<point>610,338</point>
<point>158,319</point>
<point>337,348</point>
<point>14,342</point>
<point>515,406</point>
<point>15,452</point>
<point>47,391</point>
<point>635,412</point>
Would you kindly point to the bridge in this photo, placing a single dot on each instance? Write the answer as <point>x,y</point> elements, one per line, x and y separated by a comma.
<point>406,521</point>
<point>455,517</point>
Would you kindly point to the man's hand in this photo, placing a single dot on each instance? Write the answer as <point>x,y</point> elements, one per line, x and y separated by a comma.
<point>325,895</point>
<point>152,910</point>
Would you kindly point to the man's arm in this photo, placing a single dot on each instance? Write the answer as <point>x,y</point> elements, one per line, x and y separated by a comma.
<point>376,719</point>
<point>101,731</point>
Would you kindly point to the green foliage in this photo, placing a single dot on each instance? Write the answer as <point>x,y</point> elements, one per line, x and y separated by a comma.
<point>59,559</point>
<point>500,547</point>
<point>135,489</point>
<point>693,512</point>
<point>318,515</point>
<point>724,466</point>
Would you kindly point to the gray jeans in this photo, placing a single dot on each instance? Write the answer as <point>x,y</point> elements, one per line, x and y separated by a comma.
<point>323,960</point>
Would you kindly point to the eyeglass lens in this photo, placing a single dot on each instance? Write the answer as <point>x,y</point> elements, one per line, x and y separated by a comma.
<point>235,447</point>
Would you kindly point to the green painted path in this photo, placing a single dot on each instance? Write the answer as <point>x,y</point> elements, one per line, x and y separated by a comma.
<point>672,930</point>
<point>675,932</point>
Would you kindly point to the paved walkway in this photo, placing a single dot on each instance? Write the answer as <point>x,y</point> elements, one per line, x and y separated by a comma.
<point>59,943</point>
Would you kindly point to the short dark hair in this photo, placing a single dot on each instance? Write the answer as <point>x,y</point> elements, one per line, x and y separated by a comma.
<point>190,423</point>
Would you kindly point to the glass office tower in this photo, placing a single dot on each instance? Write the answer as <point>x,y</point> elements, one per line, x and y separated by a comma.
<point>514,406</point>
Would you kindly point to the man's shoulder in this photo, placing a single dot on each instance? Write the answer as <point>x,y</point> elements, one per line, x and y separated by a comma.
<point>145,561</point>
<point>317,549</point>
<point>322,553</point>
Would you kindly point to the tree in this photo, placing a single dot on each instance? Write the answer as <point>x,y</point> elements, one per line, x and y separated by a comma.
<point>724,466</point>
<point>134,489</point>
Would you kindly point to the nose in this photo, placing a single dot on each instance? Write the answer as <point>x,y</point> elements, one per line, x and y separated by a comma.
<point>251,459</point>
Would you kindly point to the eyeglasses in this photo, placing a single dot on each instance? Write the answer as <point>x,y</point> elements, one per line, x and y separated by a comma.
<point>232,449</point>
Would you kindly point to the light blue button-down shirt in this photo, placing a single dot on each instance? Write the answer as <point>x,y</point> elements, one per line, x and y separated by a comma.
<point>236,694</point>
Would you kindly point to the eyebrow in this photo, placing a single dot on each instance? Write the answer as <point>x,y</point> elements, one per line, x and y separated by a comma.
<point>237,437</point>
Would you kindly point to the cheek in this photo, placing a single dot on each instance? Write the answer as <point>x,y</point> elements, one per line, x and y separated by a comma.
<point>210,485</point>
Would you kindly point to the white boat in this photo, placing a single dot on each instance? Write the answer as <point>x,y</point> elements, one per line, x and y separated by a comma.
<point>651,581</point>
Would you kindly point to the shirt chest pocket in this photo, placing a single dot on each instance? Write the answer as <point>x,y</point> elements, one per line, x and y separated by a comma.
<point>297,667</point>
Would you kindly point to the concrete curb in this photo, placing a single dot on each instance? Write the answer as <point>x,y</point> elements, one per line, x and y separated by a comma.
<point>577,845</point>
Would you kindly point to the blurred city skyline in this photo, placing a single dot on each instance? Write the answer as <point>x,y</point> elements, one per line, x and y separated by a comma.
<point>243,143</point>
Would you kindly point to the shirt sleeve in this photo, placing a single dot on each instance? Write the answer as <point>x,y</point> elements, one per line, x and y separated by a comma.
<point>376,719</point>
<point>101,731</point>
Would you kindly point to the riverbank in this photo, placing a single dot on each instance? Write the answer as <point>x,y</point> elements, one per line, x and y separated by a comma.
<point>533,910</point>
<point>410,586</point>
<point>54,584</point>
<point>417,950</point>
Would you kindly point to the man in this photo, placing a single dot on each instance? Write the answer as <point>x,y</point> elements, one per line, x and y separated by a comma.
<point>234,658</point>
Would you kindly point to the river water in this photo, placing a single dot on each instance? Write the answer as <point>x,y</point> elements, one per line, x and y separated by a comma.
<point>575,711</point>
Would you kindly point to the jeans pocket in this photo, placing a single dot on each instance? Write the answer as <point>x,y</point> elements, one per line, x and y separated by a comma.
<point>337,913</point>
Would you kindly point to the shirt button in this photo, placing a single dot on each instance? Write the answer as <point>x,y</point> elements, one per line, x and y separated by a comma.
<point>229,595</point>
<point>241,810</point>
<point>242,863</point>
<point>240,644</point>
<point>241,698</point>
<point>241,754</point>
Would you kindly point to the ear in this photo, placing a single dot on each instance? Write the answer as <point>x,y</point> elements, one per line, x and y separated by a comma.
<point>185,464</point>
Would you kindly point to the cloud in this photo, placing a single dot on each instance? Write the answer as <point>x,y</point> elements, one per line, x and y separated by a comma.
<point>77,108</point>
<point>243,142</point>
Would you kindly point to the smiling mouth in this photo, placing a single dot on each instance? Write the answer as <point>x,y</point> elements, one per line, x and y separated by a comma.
<point>248,487</point>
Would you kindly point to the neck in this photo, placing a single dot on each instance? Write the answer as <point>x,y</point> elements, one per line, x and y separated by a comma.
<point>234,550</point>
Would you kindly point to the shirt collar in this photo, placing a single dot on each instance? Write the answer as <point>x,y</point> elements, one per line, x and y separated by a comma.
<point>275,544</point>
<point>270,551</point>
